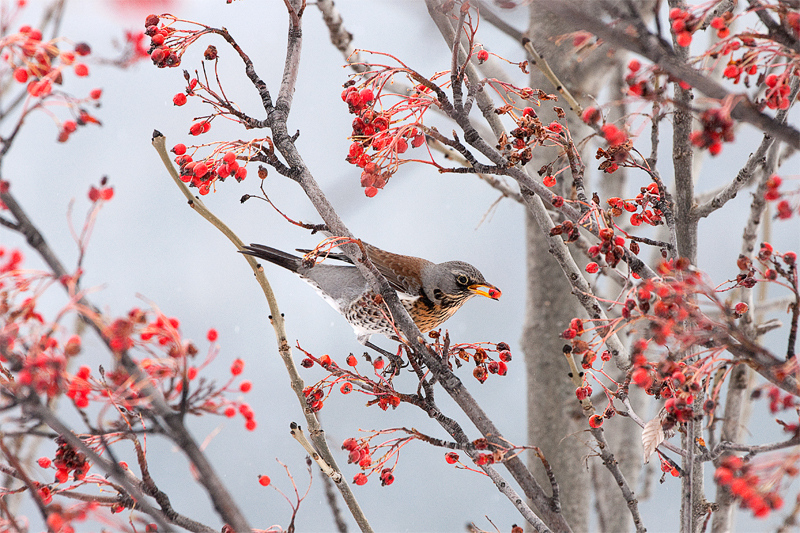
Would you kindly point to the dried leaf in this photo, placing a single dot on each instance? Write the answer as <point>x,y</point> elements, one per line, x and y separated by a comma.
<point>652,436</point>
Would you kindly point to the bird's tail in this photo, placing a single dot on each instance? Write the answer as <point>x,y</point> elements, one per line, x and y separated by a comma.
<point>287,261</point>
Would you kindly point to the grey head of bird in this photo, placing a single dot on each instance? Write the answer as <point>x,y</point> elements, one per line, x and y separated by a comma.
<point>455,281</point>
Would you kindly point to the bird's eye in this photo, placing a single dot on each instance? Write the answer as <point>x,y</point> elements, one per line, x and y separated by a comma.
<point>461,279</point>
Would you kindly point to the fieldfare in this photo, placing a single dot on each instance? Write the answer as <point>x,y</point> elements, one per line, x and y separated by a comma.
<point>430,292</point>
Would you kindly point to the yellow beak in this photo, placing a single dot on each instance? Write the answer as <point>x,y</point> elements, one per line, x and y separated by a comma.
<point>490,291</point>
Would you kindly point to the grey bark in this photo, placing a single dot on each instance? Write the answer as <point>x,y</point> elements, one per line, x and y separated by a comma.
<point>555,421</point>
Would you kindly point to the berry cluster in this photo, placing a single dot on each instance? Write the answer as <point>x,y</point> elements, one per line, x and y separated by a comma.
<point>777,402</point>
<point>373,130</point>
<point>384,395</point>
<point>529,131</point>
<point>568,228</point>
<point>618,150</point>
<point>79,387</point>
<point>161,53</point>
<point>315,398</point>
<point>717,128</point>
<point>777,91</point>
<point>59,520</point>
<point>68,127</point>
<point>638,81</point>
<point>611,247</point>
<point>44,371</point>
<point>773,192</point>
<point>479,354</point>
<point>102,193</point>
<point>204,173</point>
<point>667,379</point>
<point>644,208</point>
<point>776,265</point>
<point>684,25</point>
<point>737,476</point>
<point>359,453</point>
<point>39,63</point>
<point>67,461</point>
<point>12,261</point>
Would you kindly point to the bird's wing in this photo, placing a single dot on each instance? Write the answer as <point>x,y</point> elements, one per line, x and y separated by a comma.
<point>403,272</point>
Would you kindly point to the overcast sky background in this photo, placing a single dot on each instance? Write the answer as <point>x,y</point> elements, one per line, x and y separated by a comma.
<point>149,246</point>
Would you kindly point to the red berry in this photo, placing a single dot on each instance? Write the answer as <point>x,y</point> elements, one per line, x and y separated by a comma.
<point>366,95</point>
<point>21,75</point>
<point>401,146</point>
<point>591,115</point>
<point>360,479</point>
<point>483,55</point>
<point>502,368</point>
<point>81,70</point>
<point>596,421</point>
<point>62,475</point>
<point>264,481</point>
<point>684,39</point>
<point>634,65</point>
<point>230,412</point>
<point>351,360</point>
<point>592,268</point>
<point>180,149</point>
<point>451,457</point>
<point>246,385</point>
<point>250,425</point>
<point>370,191</point>
<point>179,99</point>
<point>237,367</point>
<point>642,378</point>
<point>771,80</point>
<point>44,462</point>
<point>732,71</point>
<point>200,170</point>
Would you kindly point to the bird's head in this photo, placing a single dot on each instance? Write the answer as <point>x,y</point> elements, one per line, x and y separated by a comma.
<point>457,281</point>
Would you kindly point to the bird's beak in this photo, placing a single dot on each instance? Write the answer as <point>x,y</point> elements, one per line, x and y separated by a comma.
<point>490,291</point>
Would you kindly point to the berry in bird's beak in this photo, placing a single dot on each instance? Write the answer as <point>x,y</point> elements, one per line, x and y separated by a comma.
<point>490,291</point>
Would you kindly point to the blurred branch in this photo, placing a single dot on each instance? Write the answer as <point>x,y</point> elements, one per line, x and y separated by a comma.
<point>745,176</point>
<point>223,502</point>
<point>636,38</point>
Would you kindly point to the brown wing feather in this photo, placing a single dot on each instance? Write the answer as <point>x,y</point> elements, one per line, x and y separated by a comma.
<point>403,272</point>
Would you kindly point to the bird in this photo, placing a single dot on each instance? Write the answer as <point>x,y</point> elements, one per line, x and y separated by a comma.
<point>430,292</point>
